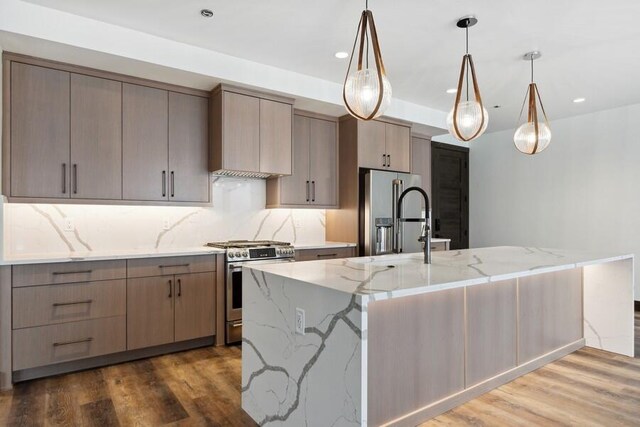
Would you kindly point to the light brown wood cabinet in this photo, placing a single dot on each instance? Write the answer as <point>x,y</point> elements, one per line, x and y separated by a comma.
<point>314,182</point>
<point>75,134</point>
<point>96,138</point>
<point>324,253</point>
<point>39,132</point>
<point>167,309</point>
<point>383,145</point>
<point>421,160</point>
<point>251,133</point>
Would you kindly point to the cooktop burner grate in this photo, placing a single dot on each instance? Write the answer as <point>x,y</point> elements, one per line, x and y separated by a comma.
<point>240,244</point>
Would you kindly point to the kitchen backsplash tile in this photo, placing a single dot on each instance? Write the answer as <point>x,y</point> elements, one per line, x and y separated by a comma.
<point>238,213</point>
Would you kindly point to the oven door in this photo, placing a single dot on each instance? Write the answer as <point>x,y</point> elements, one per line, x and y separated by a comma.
<point>234,296</point>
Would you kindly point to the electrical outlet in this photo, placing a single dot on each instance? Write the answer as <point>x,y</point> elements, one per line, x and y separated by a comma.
<point>69,224</point>
<point>300,321</point>
<point>165,224</point>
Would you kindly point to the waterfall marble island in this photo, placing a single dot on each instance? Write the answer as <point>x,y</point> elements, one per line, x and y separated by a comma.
<point>389,340</point>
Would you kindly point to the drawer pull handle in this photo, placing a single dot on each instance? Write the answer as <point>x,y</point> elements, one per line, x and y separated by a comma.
<point>236,325</point>
<point>174,265</point>
<point>60,304</point>
<point>57,273</point>
<point>325,255</point>
<point>58,344</point>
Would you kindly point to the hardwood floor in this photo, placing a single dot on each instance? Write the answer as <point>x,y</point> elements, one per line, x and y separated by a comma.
<point>202,388</point>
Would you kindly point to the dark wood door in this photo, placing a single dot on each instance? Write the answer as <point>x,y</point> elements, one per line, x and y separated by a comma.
<point>450,191</point>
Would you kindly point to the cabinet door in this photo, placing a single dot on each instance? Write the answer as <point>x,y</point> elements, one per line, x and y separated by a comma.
<point>323,162</point>
<point>195,306</point>
<point>421,161</point>
<point>96,138</point>
<point>39,132</point>
<point>149,311</point>
<point>294,189</point>
<point>275,137</point>
<point>398,142</point>
<point>371,145</point>
<point>145,147</point>
<point>241,132</point>
<point>188,148</point>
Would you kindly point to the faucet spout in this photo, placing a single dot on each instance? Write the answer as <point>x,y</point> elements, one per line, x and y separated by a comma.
<point>425,237</point>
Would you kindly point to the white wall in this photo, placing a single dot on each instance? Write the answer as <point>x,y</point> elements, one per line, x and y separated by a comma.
<point>583,192</point>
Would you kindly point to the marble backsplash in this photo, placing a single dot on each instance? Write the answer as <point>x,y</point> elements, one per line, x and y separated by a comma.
<point>238,212</point>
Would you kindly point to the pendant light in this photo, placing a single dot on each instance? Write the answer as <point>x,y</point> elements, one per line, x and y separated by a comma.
<point>468,119</point>
<point>534,135</point>
<point>366,91</point>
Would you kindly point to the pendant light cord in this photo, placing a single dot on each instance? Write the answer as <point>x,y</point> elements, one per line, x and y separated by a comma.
<point>531,68</point>
<point>467,52</point>
<point>366,36</point>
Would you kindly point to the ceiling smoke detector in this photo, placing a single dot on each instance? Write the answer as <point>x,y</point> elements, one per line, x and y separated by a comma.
<point>207,13</point>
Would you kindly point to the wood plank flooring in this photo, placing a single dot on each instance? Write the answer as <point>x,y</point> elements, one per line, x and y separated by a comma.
<point>202,388</point>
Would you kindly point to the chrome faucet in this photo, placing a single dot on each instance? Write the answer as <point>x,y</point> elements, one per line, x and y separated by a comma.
<point>425,237</point>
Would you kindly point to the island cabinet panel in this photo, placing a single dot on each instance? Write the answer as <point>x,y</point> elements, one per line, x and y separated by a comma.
<point>149,311</point>
<point>145,146</point>
<point>415,352</point>
<point>96,138</point>
<point>188,148</point>
<point>550,312</point>
<point>275,137</point>
<point>491,330</point>
<point>39,164</point>
<point>194,310</point>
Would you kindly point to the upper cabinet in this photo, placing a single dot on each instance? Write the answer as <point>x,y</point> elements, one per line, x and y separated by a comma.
<point>39,152</point>
<point>251,133</point>
<point>383,145</point>
<point>85,136</point>
<point>421,160</point>
<point>314,181</point>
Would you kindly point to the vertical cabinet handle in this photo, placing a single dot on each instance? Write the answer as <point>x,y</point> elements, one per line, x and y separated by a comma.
<point>64,178</point>
<point>75,178</point>
<point>164,183</point>
<point>389,160</point>
<point>170,286</point>
<point>173,184</point>
<point>179,287</point>
<point>307,191</point>
<point>384,160</point>
<point>313,191</point>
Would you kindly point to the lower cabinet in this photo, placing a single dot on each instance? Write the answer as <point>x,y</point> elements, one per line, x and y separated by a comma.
<point>166,309</point>
<point>324,253</point>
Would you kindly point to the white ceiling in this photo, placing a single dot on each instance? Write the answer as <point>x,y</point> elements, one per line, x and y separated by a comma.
<point>588,46</point>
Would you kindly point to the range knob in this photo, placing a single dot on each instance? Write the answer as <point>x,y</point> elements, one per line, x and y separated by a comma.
<point>231,254</point>
<point>245,254</point>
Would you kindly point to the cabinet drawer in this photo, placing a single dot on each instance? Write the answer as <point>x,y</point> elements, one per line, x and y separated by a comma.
<point>438,246</point>
<point>48,305</point>
<point>146,267</point>
<point>45,345</point>
<point>328,253</point>
<point>68,272</point>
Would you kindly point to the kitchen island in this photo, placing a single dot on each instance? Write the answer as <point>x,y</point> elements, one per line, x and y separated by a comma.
<point>389,340</point>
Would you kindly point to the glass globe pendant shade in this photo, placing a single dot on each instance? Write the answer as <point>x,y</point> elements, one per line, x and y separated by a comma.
<point>528,142</point>
<point>366,91</point>
<point>362,92</point>
<point>472,120</point>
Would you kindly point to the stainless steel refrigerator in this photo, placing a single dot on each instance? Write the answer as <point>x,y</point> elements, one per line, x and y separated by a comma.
<point>379,234</point>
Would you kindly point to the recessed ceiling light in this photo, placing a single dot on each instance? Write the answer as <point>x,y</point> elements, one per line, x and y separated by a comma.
<point>452,90</point>
<point>579,100</point>
<point>496,106</point>
<point>342,55</point>
<point>207,13</point>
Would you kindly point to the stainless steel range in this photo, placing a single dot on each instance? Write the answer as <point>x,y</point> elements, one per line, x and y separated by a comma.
<point>239,253</point>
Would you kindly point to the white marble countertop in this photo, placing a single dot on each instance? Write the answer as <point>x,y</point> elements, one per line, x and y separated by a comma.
<point>390,276</point>
<point>51,257</point>
<point>106,255</point>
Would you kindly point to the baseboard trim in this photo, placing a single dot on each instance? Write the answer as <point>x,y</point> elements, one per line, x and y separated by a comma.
<point>425,413</point>
<point>109,359</point>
